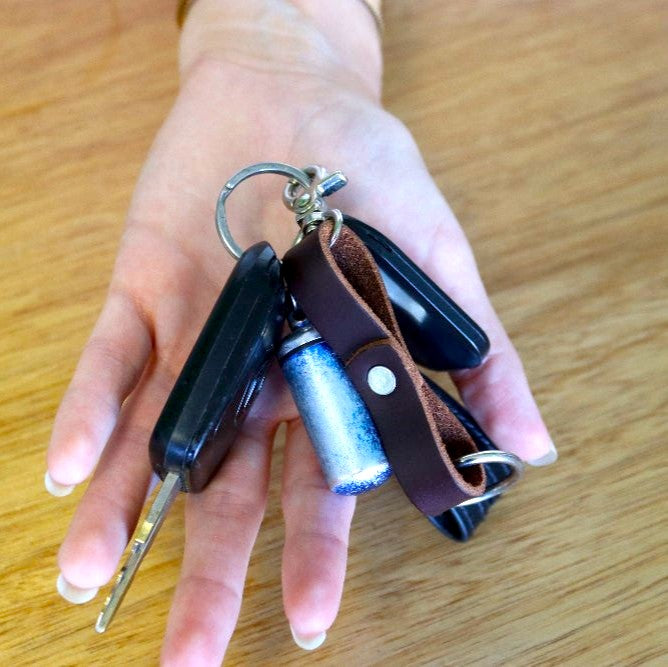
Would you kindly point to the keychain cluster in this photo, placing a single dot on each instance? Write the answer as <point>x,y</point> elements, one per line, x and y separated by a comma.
<point>362,316</point>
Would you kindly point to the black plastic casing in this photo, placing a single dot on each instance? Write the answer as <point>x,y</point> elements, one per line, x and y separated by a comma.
<point>438,333</point>
<point>223,374</point>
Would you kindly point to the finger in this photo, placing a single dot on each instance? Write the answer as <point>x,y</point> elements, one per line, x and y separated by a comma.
<point>499,397</point>
<point>222,523</point>
<point>497,393</point>
<point>317,524</point>
<point>110,507</point>
<point>110,366</point>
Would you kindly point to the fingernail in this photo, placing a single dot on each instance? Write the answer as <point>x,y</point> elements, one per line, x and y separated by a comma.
<point>546,459</point>
<point>308,642</point>
<point>74,594</point>
<point>56,489</point>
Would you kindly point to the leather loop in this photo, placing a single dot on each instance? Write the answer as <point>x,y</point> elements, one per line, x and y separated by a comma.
<point>342,294</point>
<point>459,523</point>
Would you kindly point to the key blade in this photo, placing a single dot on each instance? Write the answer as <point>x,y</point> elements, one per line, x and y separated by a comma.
<point>142,541</point>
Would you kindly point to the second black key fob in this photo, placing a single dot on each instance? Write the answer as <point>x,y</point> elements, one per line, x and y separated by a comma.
<point>223,373</point>
<point>438,333</point>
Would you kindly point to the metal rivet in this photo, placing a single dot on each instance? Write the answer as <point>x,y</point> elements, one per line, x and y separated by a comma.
<point>381,380</point>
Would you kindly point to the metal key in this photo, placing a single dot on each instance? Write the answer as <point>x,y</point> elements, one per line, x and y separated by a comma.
<point>211,397</point>
<point>141,543</point>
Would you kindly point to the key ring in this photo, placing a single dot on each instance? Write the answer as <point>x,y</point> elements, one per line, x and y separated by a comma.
<point>489,456</point>
<point>309,208</point>
<point>310,211</point>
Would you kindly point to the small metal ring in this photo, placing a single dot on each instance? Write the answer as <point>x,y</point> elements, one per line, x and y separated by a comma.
<point>314,172</point>
<point>337,224</point>
<point>298,202</point>
<point>260,168</point>
<point>492,456</point>
<point>332,214</point>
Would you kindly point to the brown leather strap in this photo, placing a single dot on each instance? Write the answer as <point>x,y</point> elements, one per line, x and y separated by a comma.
<point>341,292</point>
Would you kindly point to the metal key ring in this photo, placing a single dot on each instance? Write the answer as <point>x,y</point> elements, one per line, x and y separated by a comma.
<point>489,456</point>
<point>298,175</point>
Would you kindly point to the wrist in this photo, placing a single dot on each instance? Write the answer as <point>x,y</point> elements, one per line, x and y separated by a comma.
<point>305,38</point>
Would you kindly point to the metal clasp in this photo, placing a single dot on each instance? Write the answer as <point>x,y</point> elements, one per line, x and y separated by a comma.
<point>308,205</point>
<point>303,195</point>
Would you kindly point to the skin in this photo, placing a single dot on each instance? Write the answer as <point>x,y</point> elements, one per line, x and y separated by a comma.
<point>253,90</point>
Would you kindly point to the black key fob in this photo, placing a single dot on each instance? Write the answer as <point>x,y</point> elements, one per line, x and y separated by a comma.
<point>223,373</point>
<point>438,333</point>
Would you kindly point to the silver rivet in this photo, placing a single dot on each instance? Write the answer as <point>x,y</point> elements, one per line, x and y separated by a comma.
<point>381,380</point>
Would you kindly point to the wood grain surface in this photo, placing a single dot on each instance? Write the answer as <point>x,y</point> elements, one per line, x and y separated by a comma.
<point>546,125</point>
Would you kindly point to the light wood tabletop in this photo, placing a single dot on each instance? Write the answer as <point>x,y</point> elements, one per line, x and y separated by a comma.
<point>546,126</point>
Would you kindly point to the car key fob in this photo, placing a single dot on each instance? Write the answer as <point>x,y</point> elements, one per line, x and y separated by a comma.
<point>223,373</point>
<point>211,396</point>
<point>438,333</point>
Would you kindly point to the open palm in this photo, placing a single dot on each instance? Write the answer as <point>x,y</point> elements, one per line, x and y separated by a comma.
<point>171,268</point>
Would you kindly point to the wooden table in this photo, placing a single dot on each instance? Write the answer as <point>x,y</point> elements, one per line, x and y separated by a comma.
<point>546,125</point>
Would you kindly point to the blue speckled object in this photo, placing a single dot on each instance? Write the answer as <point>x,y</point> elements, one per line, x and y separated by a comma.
<point>336,419</point>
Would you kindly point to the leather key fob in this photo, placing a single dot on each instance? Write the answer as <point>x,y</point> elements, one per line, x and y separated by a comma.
<point>438,333</point>
<point>223,373</point>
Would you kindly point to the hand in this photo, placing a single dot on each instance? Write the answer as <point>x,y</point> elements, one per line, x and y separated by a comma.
<point>169,271</point>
